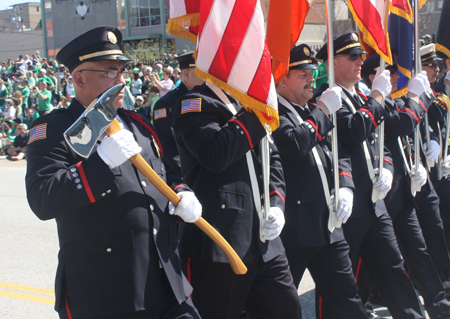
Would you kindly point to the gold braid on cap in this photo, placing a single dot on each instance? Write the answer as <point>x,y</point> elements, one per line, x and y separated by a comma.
<point>348,47</point>
<point>301,62</point>
<point>100,53</point>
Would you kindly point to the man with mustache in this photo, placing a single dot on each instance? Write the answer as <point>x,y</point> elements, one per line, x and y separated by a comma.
<point>304,149</point>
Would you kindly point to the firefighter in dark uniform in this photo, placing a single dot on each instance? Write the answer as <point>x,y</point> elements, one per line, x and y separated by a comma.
<point>369,232</point>
<point>427,200</point>
<point>306,237</point>
<point>399,123</point>
<point>163,111</point>
<point>219,146</point>
<point>118,244</point>
<point>443,186</point>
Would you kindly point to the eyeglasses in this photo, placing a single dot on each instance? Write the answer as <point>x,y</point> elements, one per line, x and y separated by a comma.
<point>112,74</point>
<point>432,65</point>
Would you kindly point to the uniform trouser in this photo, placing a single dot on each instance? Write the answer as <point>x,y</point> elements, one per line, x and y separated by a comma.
<point>266,291</point>
<point>418,261</point>
<point>443,191</point>
<point>185,310</point>
<point>430,220</point>
<point>331,269</point>
<point>373,239</point>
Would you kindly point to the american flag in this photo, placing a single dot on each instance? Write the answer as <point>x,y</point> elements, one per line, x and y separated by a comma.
<point>193,105</point>
<point>160,114</point>
<point>371,16</point>
<point>38,132</point>
<point>232,54</point>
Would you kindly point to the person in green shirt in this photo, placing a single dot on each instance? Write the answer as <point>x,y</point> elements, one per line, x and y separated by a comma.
<point>31,79</point>
<point>22,87</point>
<point>322,75</point>
<point>4,93</point>
<point>44,97</point>
<point>30,117</point>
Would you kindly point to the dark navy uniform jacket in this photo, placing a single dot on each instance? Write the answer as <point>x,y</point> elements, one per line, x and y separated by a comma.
<point>162,121</point>
<point>213,145</point>
<point>114,229</point>
<point>306,209</point>
<point>400,121</point>
<point>353,130</point>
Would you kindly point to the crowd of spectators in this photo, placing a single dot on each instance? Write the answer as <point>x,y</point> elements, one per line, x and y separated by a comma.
<point>31,86</point>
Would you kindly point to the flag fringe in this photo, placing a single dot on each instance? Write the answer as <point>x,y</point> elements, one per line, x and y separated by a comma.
<point>402,13</point>
<point>421,3</point>
<point>404,71</point>
<point>178,25</point>
<point>368,38</point>
<point>249,103</point>
<point>441,48</point>
<point>399,93</point>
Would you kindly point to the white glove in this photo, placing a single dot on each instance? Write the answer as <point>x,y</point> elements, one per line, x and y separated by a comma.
<point>418,178</point>
<point>116,149</point>
<point>382,83</point>
<point>446,166</point>
<point>384,184</point>
<point>189,208</point>
<point>419,84</point>
<point>345,205</point>
<point>273,224</point>
<point>433,152</point>
<point>332,99</point>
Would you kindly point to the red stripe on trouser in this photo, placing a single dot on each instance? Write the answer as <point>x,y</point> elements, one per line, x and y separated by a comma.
<point>188,270</point>
<point>320,307</point>
<point>358,269</point>
<point>69,314</point>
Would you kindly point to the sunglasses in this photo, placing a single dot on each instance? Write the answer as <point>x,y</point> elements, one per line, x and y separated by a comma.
<point>432,65</point>
<point>354,56</point>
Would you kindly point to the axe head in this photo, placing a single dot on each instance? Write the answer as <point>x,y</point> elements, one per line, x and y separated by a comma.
<point>84,133</point>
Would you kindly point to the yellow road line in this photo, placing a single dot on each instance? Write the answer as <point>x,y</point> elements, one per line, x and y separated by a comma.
<point>28,289</point>
<point>17,295</point>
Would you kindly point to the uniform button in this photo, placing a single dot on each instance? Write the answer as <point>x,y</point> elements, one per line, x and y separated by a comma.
<point>379,122</point>
<point>376,135</point>
<point>376,157</point>
<point>382,117</point>
<point>104,194</point>
<point>151,207</point>
<point>299,202</point>
<point>162,170</point>
<point>144,184</point>
<point>75,175</point>
<point>108,250</point>
<point>223,206</point>
<point>77,180</point>
<point>373,142</point>
<point>155,231</point>
<point>73,169</point>
<point>79,186</point>
<point>108,191</point>
<point>260,176</point>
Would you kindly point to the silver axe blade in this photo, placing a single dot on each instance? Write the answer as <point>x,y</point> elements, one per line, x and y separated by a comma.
<point>84,133</point>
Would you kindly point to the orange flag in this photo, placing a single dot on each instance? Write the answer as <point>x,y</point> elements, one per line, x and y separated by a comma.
<point>284,25</point>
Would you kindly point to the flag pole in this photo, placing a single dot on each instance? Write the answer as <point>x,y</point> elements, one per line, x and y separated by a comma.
<point>265,163</point>
<point>417,69</point>
<point>331,82</point>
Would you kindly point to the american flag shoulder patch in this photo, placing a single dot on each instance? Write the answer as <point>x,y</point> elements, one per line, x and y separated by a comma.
<point>159,114</point>
<point>39,132</point>
<point>192,105</point>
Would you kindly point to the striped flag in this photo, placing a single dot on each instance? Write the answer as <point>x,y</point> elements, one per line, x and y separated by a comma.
<point>284,25</point>
<point>184,18</point>
<point>371,16</point>
<point>232,54</point>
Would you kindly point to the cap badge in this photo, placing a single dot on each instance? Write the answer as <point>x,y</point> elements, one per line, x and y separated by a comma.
<point>355,36</point>
<point>112,37</point>
<point>305,49</point>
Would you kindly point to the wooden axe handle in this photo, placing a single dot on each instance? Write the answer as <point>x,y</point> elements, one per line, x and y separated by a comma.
<point>138,161</point>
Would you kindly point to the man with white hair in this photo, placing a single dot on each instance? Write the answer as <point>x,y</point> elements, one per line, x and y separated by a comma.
<point>20,146</point>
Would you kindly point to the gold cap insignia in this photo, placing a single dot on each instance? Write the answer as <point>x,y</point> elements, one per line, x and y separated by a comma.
<point>355,36</point>
<point>305,49</point>
<point>112,37</point>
